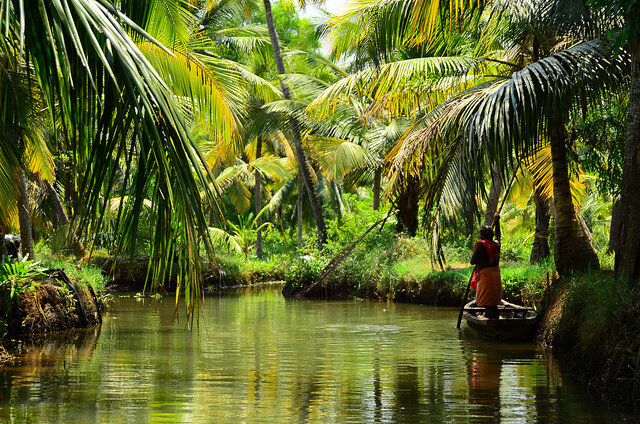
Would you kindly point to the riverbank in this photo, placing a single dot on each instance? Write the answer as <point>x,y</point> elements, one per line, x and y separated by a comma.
<point>54,294</point>
<point>593,324</point>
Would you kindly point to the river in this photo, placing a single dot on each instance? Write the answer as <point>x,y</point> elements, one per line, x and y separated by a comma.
<point>256,357</point>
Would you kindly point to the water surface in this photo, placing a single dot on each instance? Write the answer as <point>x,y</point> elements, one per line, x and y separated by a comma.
<point>259,358</point>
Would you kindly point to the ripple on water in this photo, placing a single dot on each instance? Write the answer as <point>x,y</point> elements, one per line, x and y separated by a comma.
<point>258,358</point>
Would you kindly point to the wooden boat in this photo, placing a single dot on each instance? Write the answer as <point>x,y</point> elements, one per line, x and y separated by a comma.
<point>515,323</point>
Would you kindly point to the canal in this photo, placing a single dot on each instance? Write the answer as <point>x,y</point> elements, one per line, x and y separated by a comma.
<point>256,357</point>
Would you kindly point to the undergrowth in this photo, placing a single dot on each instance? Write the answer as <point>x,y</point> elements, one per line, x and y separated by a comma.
<point>599,327</point>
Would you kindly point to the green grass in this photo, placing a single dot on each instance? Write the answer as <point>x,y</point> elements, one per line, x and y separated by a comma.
<point>76,270</point>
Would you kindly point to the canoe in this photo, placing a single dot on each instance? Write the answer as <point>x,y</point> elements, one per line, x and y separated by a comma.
<point>515,322</point>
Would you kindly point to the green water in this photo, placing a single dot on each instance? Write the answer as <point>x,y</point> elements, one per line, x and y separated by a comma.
<point>259,358</point>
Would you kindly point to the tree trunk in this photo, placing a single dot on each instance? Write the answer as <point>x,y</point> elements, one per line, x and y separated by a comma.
<point>24,217</point>
<point>61,216</point>
<point>540,248</point>
<point>573,250</point>
<point>377,177</point>
<point>70,194</point>
<point>407,202</point>
<point>494,196</point>
<point>258,188</point>
<point>614,231</point>
<point>628,257</point>
<point>314,198</point>
<point>3,245</point>
<point>299,200</point>
<point>62,219</point>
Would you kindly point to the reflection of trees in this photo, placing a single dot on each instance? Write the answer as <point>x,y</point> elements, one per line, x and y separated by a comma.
<point>407,391</point>
<point>50,356</point>
<point>257,358</point>
<point>46,353</point>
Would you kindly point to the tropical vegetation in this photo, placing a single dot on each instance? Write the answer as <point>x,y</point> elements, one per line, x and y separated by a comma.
<point>236,133</point>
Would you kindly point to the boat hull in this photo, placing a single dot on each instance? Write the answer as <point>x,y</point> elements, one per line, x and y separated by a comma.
<point>514,324</point>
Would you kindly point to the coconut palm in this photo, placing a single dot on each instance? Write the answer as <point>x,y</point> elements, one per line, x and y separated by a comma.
<point>304,165</point>
<point>529,94</point>
<point>127,115</point>
<point>23,127</point>
<point>627,264</point>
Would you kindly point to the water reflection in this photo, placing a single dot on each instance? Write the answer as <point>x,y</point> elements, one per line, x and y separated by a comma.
<point>258,358</point>
<point>484,385</point>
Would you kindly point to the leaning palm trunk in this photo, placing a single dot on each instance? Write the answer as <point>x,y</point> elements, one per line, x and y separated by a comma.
<point>24,217</point>
<point>494,196</point>
<point>540,248</point>
<point>628,257</point>
<point>258,188</point>
<point>314,198</point>
<point>61,220</point>
<point>573,250</point>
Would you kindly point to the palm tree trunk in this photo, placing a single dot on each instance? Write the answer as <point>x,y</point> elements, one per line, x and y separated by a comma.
<point>377,177</point>
<point>314,198</point>
<point>70,194</point>
<point>494,196</point>
<point>614,232</point>
<point>299,200</point>
<point>62,219</point>
<point>24,217</point>
<point>628,257</point>
<point>258,188</point>
<point>61,216</point>
<point>540,248</point>
<point>407,202</point>
<point>3,244</point>
<point>573,250</point>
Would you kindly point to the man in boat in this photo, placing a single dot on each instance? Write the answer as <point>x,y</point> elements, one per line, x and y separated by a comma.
<point>486,279</point>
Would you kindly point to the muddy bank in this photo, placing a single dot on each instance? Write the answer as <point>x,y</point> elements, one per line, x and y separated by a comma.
<point>52,305</point>
<point>438,289</point>
<point>128,274</point>
<point>440,292</point>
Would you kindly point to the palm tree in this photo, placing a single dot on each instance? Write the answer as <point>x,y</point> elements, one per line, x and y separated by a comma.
<point>627,265</point>
<point>127,116</point>
<point>304,165</point>
<point>22,125</point>
<point>527,100</point>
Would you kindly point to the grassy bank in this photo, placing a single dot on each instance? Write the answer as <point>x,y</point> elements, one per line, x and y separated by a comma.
<point>593,323</point>
<point>79,271</point>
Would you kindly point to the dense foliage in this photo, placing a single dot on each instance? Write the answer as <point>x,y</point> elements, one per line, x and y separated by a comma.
<point>220,131</point>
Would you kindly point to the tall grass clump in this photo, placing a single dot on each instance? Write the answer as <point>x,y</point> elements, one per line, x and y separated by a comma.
<point>599,328</point>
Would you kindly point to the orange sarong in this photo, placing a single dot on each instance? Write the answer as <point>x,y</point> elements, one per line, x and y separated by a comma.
<point>489,291</point>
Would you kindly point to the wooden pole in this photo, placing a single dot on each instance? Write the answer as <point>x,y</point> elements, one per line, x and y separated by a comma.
<point>464,302</point>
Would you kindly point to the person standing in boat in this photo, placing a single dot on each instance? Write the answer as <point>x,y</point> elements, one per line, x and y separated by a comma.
<point>486,278</point>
